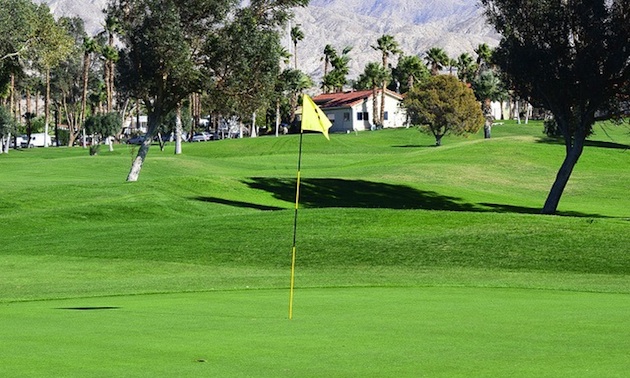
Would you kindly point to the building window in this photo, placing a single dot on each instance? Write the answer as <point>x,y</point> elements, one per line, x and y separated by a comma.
<point>386,116</point>
<point>359,116</point>
<point>366,116</point>
<point>331,117</point>
<point>346,116</point>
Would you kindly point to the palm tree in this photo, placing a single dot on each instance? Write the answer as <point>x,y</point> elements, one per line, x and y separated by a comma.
<point>89,47</point>
<point>329,54</point>
<point>296,35</point>
<point>336,78</point>
<point>466,68</point>
<point>488,87</point>
<point>484,56</point>
<point>387,45</point>
<point>410,70</point>
<point>436,59</point>
<point>110,54</point>
<point>375,75</point>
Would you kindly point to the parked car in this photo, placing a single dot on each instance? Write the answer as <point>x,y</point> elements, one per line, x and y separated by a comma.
<point>201,137</point>
<point>138,139</point>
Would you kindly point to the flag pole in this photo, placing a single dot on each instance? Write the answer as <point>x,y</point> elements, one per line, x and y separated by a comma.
<point>297,200</point>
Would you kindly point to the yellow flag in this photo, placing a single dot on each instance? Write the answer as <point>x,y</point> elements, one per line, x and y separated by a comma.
<point>313,118</point>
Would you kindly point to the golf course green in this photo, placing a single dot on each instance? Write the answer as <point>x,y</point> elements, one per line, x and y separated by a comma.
<point>412,260</point>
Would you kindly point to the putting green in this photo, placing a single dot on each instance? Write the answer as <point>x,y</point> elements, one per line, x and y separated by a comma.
<point>342,332</point>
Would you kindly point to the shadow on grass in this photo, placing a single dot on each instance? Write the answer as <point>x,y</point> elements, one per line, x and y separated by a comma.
<point>342,193</point>
<point>326,192</point>
<point>502,208</point>
<point>247,205</point>
<point>415,146</point>
<point>588,143</point>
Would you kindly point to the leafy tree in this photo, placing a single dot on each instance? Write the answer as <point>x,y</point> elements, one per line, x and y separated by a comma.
<point>436,58</point>
<point>69,80</point>
<point>244,58</point>
<point>102,126</point>
<point>443,105</point>
<point>387,45</point>
<point>159,61</point>
<point>53,44</point>
<point>574,63</point>
<point>410,70</point>
<point>170,50</point>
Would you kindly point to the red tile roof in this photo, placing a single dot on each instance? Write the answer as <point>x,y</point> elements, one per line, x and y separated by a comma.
<point>344,99</point>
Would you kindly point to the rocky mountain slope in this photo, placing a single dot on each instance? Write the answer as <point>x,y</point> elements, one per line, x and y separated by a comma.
<point>455,25</point>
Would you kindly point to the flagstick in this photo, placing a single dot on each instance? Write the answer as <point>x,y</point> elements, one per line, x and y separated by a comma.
<point>297,200</point>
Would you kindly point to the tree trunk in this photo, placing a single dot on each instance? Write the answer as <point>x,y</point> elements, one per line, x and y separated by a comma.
<point>86,68</point>
<point>47,107</point>
<point>486,108</point>
<point>375,116</point>
<point>574,146</point>
<point>562,178</point>
<point>438,140</point>
<point>154,120</point>
<point>178,131</point>
<point>277,117</point>
<point>382,111</point>
<point>136,165</point>
<point>253,133</point>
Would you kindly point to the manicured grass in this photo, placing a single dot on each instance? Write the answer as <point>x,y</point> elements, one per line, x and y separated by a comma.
<point>412,260</point>
<point>393,332</point>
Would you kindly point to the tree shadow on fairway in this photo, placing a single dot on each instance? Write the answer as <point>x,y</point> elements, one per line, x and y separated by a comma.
<point>415,146</point>
<point>329,192</point>
<point>247,205</point>
<point>503,208</point>
<point>588,143</point>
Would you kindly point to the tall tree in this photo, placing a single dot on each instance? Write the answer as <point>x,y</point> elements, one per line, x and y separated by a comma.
<point>387,45</point>
<point>436,58</point>
<point>337,77</point>
<point>443,105</point>
<point>488,88</point>
<point>296,36</point>
<point>410,70</point>
<point>484,56</point>
<point>329,54</point>
<point>169,48</point>
<point>53,45</point>
<point>573,63</point>
<point>373,78</point>
<point>466,67</point>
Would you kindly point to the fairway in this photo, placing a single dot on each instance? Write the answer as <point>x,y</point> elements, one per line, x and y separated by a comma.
<point>412,260</point>
<point>404,332</point>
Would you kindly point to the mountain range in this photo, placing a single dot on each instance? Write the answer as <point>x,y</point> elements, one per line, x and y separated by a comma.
<point>457,26</point>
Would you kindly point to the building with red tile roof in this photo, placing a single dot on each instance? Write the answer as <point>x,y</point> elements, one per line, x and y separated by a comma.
<point>352,111</point>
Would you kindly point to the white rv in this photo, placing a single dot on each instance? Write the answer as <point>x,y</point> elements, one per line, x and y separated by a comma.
<point>37,140</point>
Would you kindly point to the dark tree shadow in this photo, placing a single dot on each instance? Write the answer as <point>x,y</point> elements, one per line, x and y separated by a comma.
<point>414,146</point>
<point>503,208</point>
<point>588,143</point>
<point>342,193</point>
<point>327,192</point>
<point>247,205</point>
